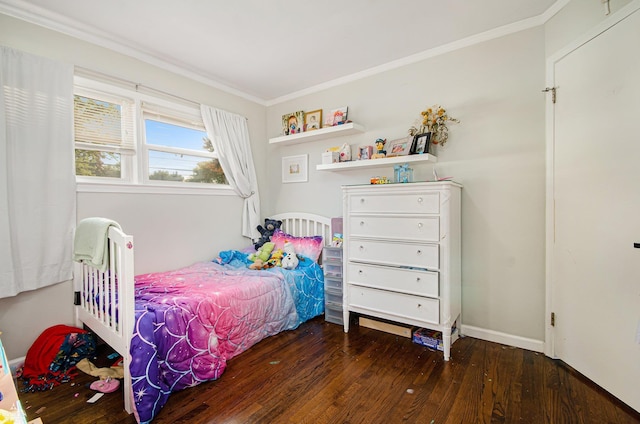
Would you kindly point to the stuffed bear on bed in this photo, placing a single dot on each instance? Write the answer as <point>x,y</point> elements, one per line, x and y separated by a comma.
<point>270,225</point>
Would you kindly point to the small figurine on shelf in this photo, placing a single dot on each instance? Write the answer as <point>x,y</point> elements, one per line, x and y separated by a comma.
<point>380,152</point>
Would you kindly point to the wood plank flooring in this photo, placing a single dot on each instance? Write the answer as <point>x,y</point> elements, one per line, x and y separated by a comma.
<point>319,374</point>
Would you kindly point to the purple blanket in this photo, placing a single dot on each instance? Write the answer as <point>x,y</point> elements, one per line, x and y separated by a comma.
<point>189,322</point>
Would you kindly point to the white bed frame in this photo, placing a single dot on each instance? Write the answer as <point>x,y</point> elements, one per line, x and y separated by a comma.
<point>92,285</point>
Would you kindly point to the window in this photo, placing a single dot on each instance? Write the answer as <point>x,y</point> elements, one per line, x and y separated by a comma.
<point>126,137</point>
<point>178,149</point>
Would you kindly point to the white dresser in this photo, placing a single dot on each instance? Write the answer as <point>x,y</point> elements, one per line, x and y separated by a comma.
<point>402,254</point>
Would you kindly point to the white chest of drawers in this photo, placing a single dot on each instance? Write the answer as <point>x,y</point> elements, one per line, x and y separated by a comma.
<point>402,254</point>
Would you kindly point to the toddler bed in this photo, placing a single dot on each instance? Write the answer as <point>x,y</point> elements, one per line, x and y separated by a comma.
<point>177,329</point>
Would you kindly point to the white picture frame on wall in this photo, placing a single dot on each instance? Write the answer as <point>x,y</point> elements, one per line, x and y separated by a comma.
<point>295,169</point>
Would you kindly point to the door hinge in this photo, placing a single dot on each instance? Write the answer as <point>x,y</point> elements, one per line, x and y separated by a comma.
<point>553,93</point>
<point>553,319</point>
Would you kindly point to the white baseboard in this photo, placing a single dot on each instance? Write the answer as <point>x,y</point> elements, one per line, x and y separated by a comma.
<point>502,338</point>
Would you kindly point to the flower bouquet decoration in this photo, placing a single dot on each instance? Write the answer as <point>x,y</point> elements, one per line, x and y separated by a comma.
<point>434,120</point>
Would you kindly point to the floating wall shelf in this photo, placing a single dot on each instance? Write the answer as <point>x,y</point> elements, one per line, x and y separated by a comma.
<point>322,133</point>
<point>376,163</point>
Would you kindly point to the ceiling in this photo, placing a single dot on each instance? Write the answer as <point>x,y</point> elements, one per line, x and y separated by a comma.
<point>269,50</point>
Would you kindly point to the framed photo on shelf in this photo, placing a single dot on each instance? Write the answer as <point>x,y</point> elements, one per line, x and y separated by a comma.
<point>421,143</point>
<point>336,117</point>
<point>313,120</point>
<point>295,169</point>
<point>365,152</point>
<point>293,123</point>
<point>399,147</point>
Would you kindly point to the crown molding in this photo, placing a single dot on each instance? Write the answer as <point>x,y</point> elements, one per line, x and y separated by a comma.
<point>36,15</point>
<point>427,54</point>
<point>39,16</point>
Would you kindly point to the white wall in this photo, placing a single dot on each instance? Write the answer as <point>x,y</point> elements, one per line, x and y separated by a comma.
<point>496,152</point>
<point>169,230</point>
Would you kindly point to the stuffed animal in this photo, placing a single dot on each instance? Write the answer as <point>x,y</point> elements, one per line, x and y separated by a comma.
<point>290,259</point>
<point>276,258</point>
<point>257,264</point>
<point>263,253</point>
<point>270,225</point>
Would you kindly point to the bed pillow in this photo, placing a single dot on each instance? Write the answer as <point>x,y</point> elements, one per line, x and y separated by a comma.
<point>310,247</point>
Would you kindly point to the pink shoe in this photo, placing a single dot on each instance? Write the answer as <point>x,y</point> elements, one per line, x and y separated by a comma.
<point>105,386</point>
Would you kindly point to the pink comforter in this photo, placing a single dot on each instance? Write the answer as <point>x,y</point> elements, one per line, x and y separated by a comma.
<point>189,322</point>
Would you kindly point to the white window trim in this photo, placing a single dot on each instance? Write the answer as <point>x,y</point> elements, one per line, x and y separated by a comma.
<point>138,182</point>
<point>125,187</point>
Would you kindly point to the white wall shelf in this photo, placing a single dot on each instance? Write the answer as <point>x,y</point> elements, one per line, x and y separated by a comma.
<point>322,133</point>
<point>376,163</point>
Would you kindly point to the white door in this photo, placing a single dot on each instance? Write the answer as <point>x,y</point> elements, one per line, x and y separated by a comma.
<point>595,185</point>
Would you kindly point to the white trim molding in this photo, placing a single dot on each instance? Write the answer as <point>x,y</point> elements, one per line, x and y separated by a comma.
<point>503,338</point>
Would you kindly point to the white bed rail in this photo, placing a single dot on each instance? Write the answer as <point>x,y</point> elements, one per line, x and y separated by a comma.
<point>105,300</point>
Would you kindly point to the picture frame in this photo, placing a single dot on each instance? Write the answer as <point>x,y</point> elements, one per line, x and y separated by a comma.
<point>313,120</point>
<point>295,169</point>
<point>365,152</point>
<point>293,123</point>
<point>399,147</point>
<point>336,116</point>
<point>421,143</point>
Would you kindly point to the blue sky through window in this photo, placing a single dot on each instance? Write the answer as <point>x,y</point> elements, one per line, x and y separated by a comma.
<point>163,134</point>
<point>170,135</point>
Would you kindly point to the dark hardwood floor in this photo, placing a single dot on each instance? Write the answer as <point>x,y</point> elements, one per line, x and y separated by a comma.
<point>319,374</point>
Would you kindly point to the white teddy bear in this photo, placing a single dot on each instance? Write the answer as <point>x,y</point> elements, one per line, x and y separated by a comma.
<point>289,258</point>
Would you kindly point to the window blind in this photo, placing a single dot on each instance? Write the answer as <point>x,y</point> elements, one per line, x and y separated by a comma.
<point>104,122</point>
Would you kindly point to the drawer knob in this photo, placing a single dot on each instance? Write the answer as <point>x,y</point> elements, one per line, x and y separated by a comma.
<point>362,200</point>
<point>361,247</point>
<point>419,305</point>
<point>419,224</point>
<point>417,279</point>
<point>360,272</point>
<point>419,252</point>
<point>361,223</point>
<point>419,199</point>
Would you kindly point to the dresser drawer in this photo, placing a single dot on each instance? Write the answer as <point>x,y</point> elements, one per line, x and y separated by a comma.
<point>331,254</point>
<point>331,283</point>
<point>415,228</point>
<point>333,313</point>
<point>416,255</point>
<point>333,269</point>
<point>420,202</point>
<point>396,304</point>
<point>410,281</point>
<point>333,296</point>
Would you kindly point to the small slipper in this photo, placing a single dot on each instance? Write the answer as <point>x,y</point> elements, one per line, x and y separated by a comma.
<point>105,386</point>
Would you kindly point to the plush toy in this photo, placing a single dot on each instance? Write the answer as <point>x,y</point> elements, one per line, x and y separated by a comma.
<point>263,253</point>
<point>270,225</point>
<point>290,259</point>
<point>257,264</point>
<point>276,258</point>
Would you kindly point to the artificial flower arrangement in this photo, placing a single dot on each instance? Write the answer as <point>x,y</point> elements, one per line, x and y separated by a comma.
<point>434,120</point>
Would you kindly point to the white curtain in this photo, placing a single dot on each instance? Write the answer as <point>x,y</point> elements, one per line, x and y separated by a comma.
<point>229,134</point>
<point>37,177</point>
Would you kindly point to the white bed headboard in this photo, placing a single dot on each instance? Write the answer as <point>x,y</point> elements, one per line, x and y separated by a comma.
<point>302,224</point>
